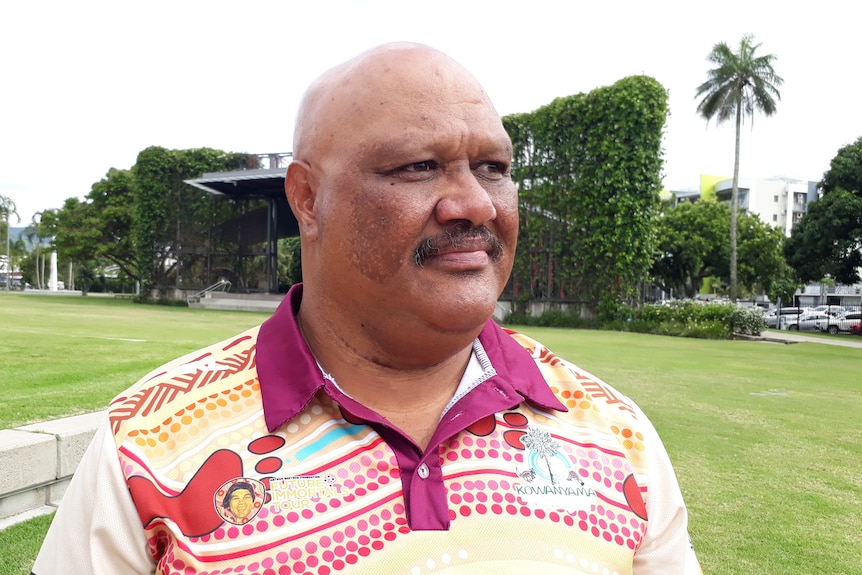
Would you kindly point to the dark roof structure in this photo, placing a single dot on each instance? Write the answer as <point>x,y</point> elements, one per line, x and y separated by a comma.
<point>263,183</point>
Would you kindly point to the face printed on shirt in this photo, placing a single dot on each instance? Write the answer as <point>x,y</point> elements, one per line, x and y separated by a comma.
<point>238,500</point>
<point>241,503</point>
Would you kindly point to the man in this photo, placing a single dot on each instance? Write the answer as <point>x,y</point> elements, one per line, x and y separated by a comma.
<point>392,427</point>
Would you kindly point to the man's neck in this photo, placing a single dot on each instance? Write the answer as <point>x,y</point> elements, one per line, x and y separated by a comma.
<point>411,396</point>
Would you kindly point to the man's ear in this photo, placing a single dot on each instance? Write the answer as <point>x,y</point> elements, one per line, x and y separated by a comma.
<point>302,196</point>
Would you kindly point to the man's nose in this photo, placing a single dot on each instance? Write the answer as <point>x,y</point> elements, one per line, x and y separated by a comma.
<point>464,198</point>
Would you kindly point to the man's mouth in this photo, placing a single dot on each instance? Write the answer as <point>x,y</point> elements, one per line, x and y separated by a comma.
<point>459,239</point>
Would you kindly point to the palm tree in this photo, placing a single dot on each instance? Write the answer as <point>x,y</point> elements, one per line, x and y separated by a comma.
<point>31,234</point>
<point>7,209</point>
<point>544,445</point>
<point>740,84</point>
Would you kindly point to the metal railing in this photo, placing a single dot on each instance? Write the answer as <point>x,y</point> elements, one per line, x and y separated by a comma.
<point>221,285</point>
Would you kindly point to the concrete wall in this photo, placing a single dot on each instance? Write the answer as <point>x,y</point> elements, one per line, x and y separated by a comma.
<point>37,462</point>
<point>240,302</point>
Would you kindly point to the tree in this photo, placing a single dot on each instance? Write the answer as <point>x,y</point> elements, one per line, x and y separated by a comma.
<point>694,243</point>
<point>7,210</point>
<point>828,240</point>
<point>99,228</point>
<point>762,265</point>
<point>740,84</point>
<point>78,231</point>
<point>289,262</point>
<point>35,234</point>
<point>86,277</point>
<point>159,230</point>
<point>112,198</point>
<point>845,170</point>
<point>588,170</point>
<point>170,219</point>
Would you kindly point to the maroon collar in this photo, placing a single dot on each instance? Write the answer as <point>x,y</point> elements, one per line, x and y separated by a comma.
<point>289,376</point>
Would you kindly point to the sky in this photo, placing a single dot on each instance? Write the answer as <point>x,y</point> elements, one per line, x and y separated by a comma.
<point>86,85</point>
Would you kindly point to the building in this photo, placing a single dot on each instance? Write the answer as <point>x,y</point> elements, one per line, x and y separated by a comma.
<point>780,202</point>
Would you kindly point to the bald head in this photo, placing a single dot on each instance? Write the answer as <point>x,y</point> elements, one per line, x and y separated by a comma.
<point>378,82</point>
<point>397,149</point>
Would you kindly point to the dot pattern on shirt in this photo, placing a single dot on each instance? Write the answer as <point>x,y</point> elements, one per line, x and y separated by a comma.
<point>346,545</point>
<point>179,428</point>
<point>469,497</point>
<point>373,468</point>
<point>575,399</point>
<point>328,554</point>
<point>343,546</point>
<point>628,438</point>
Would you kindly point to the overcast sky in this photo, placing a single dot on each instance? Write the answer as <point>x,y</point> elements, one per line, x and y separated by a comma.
<point>85,85</point>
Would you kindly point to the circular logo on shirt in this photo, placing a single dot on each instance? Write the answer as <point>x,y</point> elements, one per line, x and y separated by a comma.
<point>237,501</point>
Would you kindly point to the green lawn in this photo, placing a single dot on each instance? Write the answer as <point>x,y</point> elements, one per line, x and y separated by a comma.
<point>766,440</point>
<point>65,355</point>
<point>765,437</point>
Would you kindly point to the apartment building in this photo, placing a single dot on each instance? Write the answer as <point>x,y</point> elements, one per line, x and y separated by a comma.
<point>780,202</point>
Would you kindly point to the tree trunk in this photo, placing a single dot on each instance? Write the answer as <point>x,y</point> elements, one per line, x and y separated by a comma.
<point>734,205</point>
<point>38,277</point>
<point>42,277</point>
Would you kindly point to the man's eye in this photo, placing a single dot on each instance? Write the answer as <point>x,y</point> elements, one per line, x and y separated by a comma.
<point>420,166</point>
<point>495,168</point>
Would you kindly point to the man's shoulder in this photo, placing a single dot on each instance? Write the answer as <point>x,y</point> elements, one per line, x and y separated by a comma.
<point>576,388</point>
<point>541,354</point>
<point>192,378</point>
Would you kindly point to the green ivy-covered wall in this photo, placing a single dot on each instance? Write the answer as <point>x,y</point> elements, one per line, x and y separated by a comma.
<point>588,168</point>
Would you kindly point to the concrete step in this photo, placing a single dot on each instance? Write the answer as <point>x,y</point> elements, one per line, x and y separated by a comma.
<point>238,302</point>
<point>38,461</point>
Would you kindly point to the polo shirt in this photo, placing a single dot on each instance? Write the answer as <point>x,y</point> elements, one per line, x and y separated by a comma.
<point>245,457</point>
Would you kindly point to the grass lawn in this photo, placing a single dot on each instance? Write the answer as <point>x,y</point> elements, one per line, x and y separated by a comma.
<point>65,355</point>
<point>20,544</point>
<point>765,437</point>
<point>766,440</point>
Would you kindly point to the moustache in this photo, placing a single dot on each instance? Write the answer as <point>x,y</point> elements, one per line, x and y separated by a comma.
<point>457,236</point>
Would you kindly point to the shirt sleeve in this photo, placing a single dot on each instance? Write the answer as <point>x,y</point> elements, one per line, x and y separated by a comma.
<point>666,548</point>
<point>97,528</point>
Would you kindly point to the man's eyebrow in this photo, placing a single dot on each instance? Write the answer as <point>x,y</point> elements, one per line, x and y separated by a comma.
<point>408,143</point>
<point>403,143</point>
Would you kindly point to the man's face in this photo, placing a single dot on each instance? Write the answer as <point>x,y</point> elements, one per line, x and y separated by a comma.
<point>241,503</point>
<point>417,213</point>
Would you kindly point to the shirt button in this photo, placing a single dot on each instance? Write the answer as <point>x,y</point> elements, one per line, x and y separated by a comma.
<point>422,471</point>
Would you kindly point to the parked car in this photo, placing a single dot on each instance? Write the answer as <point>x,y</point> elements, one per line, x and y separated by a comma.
<point>805,322</point>
<point>856,328</point>
<point>771,316</point>
<point>841,323</point>
<point>832,309</point>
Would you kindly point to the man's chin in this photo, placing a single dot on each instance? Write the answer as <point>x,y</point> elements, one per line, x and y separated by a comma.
<point>463,313</point>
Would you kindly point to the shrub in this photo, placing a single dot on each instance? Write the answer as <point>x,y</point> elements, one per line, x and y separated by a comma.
<point>700,320</point>
<point>552,319</point>
<point>681,318</point>
<point>160,301</point>
<point>747,321</point>
<point>707,330</point>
